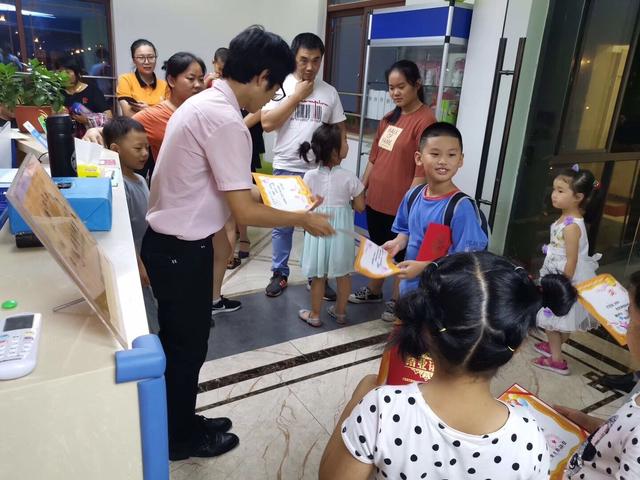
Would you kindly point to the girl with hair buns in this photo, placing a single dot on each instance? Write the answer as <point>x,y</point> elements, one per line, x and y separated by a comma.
<point>471,313</point>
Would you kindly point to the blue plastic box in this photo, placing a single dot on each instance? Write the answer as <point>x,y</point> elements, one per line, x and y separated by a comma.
<point>89,197</point>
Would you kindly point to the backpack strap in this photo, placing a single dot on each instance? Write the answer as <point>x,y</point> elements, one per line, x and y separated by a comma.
<point>413,195</point>
<point>453,204</point>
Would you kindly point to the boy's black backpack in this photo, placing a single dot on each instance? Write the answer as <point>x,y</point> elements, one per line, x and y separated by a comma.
<point>454,200</point>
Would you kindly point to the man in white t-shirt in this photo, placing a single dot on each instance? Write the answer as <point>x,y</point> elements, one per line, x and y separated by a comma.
<point>309,102</point>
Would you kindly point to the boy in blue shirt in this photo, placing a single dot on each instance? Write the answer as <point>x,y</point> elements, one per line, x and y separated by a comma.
<point>441,157</point>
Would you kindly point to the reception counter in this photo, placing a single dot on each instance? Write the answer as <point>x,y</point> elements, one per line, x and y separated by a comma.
<point>69,419</point>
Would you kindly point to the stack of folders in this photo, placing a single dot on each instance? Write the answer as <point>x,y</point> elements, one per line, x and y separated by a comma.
<point>379,103</point>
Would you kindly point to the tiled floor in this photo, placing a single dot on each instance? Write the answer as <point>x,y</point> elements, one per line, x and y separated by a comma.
<point>284,399</point>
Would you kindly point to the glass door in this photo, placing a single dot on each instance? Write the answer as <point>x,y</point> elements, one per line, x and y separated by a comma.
<point>589,115</point>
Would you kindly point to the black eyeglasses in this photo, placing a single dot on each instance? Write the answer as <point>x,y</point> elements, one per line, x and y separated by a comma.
<point>145,58</point>
<point>279,95</point>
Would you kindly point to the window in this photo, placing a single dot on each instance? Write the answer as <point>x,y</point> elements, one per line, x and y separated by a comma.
<point>586,110</point>
<point>49,30</point>
<point>608,36</point>
<point>627,133</point>
<point>346,48</point>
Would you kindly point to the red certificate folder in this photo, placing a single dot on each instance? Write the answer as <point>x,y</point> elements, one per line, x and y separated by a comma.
<point>436,242</point>
<point>395,371</point>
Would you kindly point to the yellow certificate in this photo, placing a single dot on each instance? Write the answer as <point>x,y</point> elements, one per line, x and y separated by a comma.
<point>284,192</point>
<point>562,435</point>
<point>374,261</point>
<point>608,302</point>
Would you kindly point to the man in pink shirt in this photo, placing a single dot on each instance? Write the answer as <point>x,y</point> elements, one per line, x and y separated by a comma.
<point>203,175</point>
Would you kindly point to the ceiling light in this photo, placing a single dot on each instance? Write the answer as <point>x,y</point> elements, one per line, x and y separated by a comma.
<point>5,7</point>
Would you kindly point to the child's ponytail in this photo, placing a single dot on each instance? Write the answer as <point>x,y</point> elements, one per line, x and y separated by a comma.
<point>303,151</point>
<point>326,139</point>
<point>557,293</point>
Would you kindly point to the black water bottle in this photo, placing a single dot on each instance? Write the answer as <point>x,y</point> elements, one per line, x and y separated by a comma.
<point>62,150</point>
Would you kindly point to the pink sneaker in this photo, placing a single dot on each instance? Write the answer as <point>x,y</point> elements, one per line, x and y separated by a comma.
<point>547,363</point>
<point>543,349</point>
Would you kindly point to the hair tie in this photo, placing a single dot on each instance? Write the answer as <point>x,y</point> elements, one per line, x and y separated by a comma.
<point>510,349</point>
<point>575,167</point>
<point>518,268</point>
<point>436,264</point>
<point>596,185</point>
<point>443,329</point>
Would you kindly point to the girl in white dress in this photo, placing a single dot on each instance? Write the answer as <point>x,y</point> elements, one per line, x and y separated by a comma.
<point>568,253</point>
<point>341,192</point>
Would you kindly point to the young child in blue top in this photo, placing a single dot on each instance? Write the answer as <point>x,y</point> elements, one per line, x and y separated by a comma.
<point>441,157</point>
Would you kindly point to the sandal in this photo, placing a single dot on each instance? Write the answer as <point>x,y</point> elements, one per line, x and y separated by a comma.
<point>232,264</point>
<point>547,363</point>
<point>305,316</point>
<point>340,318</point>
<point>242,254</point>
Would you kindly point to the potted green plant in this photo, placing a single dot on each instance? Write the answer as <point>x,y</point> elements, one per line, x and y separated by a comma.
<point>37,92</point>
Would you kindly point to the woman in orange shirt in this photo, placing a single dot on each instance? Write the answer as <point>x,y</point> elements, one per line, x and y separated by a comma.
<point>392,170</point>
<point>185,77</point>
<point>140,89</point>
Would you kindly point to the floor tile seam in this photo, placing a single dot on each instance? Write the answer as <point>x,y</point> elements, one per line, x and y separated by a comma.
<point>598,341</point>
<point>286,383</point>
<point>230,362</point>
<point>597,355</point>
<point>319,355</point>
<point>310,412</point>
<point>258,290</point>
<point>276,377</point>
<point>603,335</point>
<point>602,403</point>
<point>290,363</point>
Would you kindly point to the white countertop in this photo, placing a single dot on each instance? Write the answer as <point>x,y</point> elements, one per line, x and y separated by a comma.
<point>74,337</point>
<point>68,418</point>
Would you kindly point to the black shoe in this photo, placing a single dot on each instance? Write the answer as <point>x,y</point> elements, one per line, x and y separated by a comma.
<point>625,382</point>
<point>210,425</point>
<point>225,305</point>
<point>207,445</point>
<point>365,295</point>
<point>277,284</point>
<point>329,293</point>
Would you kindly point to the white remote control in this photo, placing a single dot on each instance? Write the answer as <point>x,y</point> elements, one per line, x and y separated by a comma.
<point>19,336</point>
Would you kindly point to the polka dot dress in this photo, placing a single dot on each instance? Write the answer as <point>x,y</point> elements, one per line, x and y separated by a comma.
<point>612,451</point>
<point>394,429</point>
